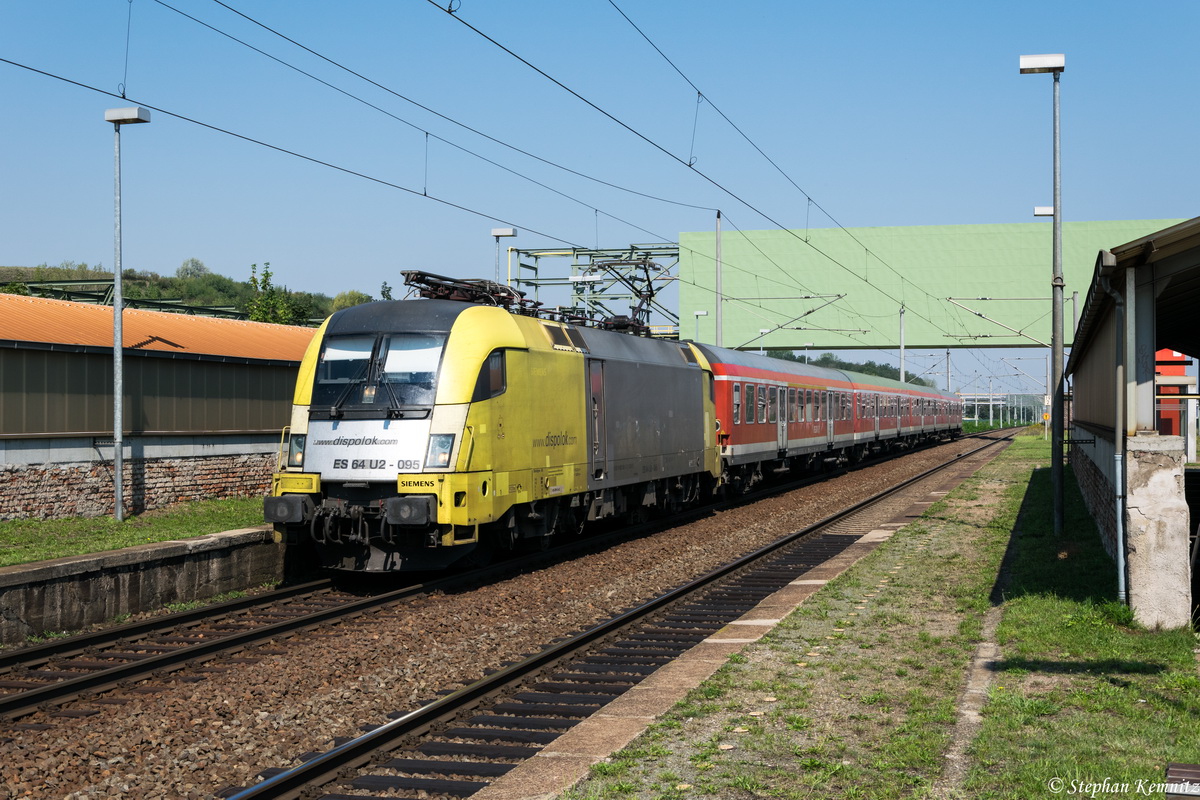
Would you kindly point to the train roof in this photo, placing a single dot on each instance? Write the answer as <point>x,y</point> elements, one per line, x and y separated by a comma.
<point>388,316</point>
<point>742,358</point>
<point>396,316</point>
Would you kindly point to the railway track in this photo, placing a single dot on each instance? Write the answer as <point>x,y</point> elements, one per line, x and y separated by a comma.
<point>461,743</point>
<point>55,673</point>
<point>44,676</point>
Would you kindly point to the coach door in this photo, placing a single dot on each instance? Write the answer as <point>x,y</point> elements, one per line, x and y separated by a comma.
<point>831,412</point>
<point>784,411</point>
<point>597,427</point>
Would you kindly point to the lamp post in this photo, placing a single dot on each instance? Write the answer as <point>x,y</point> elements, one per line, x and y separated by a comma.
<point>762,332</point>
<point>119,117</point>
<point>806,346</point>
<point>698,315</point>
<point>1055,64</point>
<point>500,233</point>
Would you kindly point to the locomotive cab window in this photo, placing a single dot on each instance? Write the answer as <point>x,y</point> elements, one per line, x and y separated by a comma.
<point>398,369</point>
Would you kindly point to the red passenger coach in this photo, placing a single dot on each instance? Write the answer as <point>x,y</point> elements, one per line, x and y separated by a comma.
<point>773,413</point>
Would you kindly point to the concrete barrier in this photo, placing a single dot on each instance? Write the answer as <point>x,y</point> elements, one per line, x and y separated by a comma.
<point>67,594</point>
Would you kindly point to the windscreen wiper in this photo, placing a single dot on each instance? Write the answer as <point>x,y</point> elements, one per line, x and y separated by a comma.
<point>336,409</point>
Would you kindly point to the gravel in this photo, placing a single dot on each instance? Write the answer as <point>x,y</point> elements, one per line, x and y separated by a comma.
<point>192,739</point>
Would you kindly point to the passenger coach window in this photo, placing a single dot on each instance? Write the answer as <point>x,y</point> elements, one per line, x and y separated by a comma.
<point>762,404</point>
<point>737,403</point>
<point>492,379</point>
<point>773,404</point>
<point>750,403</point>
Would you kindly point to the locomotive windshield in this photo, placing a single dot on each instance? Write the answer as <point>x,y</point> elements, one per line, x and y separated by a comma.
<point>388,371</point>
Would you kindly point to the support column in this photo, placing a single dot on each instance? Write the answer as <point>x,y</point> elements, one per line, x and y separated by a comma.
<point>1156,529</point>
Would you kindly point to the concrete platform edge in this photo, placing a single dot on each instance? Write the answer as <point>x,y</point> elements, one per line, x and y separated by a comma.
<point>567,760</point>
<point>71,593</point>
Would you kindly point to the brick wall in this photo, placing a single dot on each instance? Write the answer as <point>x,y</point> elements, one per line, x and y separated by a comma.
<point>54,491</point>
<point>1098,496</point>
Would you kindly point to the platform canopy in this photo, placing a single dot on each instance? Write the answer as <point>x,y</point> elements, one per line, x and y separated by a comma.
<point>959,285</point>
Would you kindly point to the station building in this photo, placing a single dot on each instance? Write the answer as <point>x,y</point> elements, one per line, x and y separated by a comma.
<point>205,402</point>
<point>1131,443</point>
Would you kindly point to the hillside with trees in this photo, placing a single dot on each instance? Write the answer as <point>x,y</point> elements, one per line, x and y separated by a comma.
<point>830,361</point>
<point>193,284</point>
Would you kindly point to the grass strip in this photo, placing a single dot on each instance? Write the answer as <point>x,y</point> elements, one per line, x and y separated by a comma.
<point>1083,701</point>
<point>855,694</point>
<point>23,541</point>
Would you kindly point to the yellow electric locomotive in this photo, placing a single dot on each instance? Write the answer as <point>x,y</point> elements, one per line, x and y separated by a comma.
<point>424,431</point>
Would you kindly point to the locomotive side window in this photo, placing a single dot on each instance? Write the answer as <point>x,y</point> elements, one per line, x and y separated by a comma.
<point>737,403</point>
<point>492,379</point>
<point>557,335</point>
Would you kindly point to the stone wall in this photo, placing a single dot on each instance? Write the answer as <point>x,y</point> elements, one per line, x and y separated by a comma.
<point>85,489</point>
<point>71,593</point>
<point>1098,494</point>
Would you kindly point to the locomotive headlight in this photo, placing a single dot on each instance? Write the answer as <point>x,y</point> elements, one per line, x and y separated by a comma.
<point>440,445</point>
<point>296,450</point>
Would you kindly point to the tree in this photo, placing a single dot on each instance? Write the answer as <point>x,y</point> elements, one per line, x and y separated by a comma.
<point>192,268</point>
<point>351,297</point>
<point>385,291</point>
<point>272,303</point>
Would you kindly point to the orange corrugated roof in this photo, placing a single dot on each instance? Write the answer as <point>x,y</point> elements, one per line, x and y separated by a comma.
<point>34,319</point>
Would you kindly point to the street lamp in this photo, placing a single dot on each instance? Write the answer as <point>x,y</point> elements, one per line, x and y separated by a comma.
<point>119,117</point>
<point>806,346</point>
<point>699,314</point>
<point>1054,63</point>
<point>761,333</point>
<point>500,233</point>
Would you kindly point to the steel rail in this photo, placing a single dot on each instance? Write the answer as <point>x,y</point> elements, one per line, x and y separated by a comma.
<point>78,644</point>
<point>358,752</point>
<point>20,704</point>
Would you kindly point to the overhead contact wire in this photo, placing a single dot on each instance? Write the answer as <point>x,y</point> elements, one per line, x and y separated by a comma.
<point>293,153</point>
<point>769,160</point>
<point>669,154</point>
<point>449,119</point>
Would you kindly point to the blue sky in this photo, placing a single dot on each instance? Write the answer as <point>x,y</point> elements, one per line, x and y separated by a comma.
<point>884,113</point>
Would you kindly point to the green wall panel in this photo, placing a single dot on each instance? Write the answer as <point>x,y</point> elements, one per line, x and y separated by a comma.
<point>765,273</point>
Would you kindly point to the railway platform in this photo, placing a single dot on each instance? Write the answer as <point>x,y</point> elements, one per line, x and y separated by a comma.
<point>959,653</point>
<point>72,593</point>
